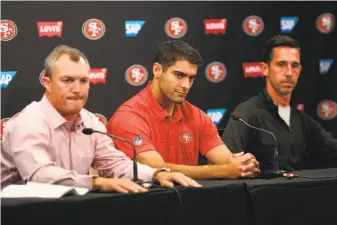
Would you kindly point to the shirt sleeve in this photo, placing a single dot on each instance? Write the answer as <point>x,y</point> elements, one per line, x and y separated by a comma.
<point>112,162</point>
<point>209,137</point>
<point>238,136</point>
<point>32,157</point>
<point>133,128</point>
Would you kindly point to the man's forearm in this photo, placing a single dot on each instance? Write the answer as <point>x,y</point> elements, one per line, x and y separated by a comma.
<point>203,172</point>
<point>57,175</point>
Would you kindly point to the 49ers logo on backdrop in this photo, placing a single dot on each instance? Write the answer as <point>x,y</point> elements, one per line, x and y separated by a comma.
<point>186,137</point>
<point>176,27</point>
<point>325,23</point>
<point>8,30</point>
<point>253,25</point>
<point>93,29</point>
<point>136,75</point>
<point>327,109</point>
<point>216,72</point>
<point>2,126</point>
<point>101,118</point>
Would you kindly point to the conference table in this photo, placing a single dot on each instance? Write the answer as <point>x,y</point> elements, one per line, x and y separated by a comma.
<point>309,199</point>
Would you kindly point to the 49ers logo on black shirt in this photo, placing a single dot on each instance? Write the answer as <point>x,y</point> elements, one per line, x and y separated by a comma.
<point>186,137</point>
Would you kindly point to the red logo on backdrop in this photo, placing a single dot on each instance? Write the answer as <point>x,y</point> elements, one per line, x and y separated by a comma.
<point>3,125</point>
<point>215,26</point>
<point>327,109</point>
<point>300,107</point>
<point>8,30</point>
<point>252,69</point>
<point>186,137</point>
<point>101,118</point>
<point>50,29</point>
<point>253,25</point>
<point>93,29</point>
<point>98,75</point>
<point>176,27</point>
<point>325,23</point>
<point>216,72</point>
<point>136,75</point>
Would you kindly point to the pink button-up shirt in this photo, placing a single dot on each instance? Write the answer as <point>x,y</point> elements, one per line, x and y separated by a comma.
<point>38,145</point>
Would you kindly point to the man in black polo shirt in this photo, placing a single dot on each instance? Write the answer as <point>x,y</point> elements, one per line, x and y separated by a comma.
<point>301,141</point>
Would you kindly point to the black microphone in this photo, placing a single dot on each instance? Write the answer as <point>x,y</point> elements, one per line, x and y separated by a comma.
<point>265,174</point>
<point>89,131</point>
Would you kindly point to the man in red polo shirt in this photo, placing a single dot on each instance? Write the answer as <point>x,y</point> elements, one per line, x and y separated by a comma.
<point>167,130</point>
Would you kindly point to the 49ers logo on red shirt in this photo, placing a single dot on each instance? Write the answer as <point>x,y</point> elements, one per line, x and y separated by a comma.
<point>101,118</point>
<point>136,75</point>
<point>50,29</point>
<point>186,137</point>
<point>3,125</point>
<point>8,30</point>
<point>325,23</point>
<point>253,25</point>
<point>176,27</point>
<point>216,72</point>
<point>98,75</point>
<point>327,109</point>
<point>93,29</point>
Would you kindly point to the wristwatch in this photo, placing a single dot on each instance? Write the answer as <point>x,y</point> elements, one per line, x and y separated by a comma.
<point>164,169</point>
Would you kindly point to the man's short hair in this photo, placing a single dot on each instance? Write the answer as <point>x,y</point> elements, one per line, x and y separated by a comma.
<point>278,41</point>
<point>169,52</point>
<point>74,54</point>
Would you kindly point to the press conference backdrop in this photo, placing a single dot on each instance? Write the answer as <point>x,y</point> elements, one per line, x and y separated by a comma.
<point>119,39</point>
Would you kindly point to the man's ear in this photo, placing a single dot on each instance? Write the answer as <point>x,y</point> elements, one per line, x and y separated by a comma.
<point>265,69</point>
<point>157,70</point>
<point>46,82</point>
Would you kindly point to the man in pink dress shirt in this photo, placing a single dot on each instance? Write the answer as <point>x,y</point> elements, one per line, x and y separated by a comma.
<point>44,142</point>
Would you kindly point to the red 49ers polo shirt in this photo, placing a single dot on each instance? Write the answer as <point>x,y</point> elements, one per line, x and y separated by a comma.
<point>178,139</point>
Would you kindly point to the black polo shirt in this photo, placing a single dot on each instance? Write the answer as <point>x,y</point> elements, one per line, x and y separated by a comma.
<point>301,145</point>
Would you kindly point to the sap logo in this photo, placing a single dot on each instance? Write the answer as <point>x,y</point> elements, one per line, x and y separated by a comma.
<point>324,65</point>
<point>288,24</point>
<point>6,78</point>
<point>132,27</point>
<point>216,115</point>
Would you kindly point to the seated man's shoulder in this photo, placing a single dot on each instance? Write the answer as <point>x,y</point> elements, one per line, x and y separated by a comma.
<point>191,111</point>
<point>249,105</point>
<point>136,105</point>
<point>28,116</point>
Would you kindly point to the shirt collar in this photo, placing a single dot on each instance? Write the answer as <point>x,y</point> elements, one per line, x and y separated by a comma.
<point>270,102</point>
<point>54,117</point>
<point>156,108</point>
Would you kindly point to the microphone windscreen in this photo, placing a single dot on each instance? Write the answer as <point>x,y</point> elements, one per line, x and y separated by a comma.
<point>87,131</point>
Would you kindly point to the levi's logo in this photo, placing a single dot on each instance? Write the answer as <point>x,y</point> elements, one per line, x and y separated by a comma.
<point>252,69</point>
<point>215,26</point>
<point>98,75</point>
<point>50,29</point>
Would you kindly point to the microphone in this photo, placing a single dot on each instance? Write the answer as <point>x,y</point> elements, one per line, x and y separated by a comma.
<point>89,131</point>
<point>270,174</point>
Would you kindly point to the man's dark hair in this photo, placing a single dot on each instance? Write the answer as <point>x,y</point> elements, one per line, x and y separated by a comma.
<point>278,41</point>
<point>169,52</point>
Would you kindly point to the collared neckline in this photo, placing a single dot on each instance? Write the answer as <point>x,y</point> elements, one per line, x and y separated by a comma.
<point>156,108</point>
<point>55,118</point>
<point>270,100</point>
